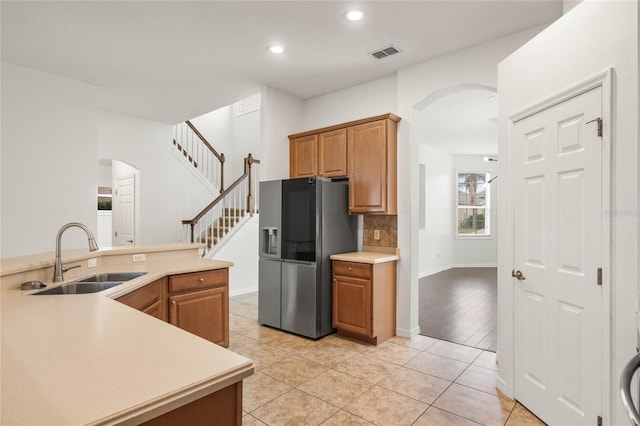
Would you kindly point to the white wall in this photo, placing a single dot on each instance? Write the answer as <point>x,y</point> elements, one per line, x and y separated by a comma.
<point>365,100</point>
<point>48,162</point>
<point>232,134</point>
<point>281,115</point>
<point>478,252</point>
<point>582,44</point>
<point>436,240</point>
<point>242,249</point>
<point>167,191</point>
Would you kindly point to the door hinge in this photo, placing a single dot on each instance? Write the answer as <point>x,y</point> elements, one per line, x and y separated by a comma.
<point>599,121</point>
<point>599,421</point>
<point>599,279</point>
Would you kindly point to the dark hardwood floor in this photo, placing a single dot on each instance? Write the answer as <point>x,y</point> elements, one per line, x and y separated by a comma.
<point>459,305</point>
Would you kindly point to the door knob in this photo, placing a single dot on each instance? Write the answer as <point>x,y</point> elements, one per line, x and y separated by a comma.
<point>518,275</point>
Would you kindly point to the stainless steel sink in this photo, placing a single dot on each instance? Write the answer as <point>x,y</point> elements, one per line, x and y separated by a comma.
<point>111,276</point>
<point>92,284</point>
<point>79,288</point>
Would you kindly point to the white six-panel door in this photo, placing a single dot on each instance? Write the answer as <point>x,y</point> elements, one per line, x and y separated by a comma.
<point>557,249</point>
<point>123,211</point>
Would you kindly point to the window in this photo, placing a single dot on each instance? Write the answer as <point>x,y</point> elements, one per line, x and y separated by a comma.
<point>473,205</point>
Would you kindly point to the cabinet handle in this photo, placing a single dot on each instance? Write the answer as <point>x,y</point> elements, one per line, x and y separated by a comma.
<point>201,280</point>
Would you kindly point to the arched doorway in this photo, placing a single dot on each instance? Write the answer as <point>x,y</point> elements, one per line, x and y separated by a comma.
<point>456,131</point>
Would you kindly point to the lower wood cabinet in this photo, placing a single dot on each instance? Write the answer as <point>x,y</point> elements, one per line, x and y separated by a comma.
<point>197,302</point>
<point>149,299</point>
<point>364,300</point>
<point>203,313</point>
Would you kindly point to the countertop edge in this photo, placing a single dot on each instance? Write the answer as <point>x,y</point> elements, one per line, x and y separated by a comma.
<point>171,401</point>
<point>365,257</point>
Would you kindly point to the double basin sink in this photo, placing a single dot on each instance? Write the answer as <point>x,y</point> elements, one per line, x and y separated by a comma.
<point>92,284</point>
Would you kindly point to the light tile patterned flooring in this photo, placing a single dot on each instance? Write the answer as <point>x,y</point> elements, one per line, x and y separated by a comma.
<point>334,381</point>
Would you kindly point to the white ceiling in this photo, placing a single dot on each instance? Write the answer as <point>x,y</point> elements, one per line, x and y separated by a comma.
<point>460,123</point>
<point>174,60</point>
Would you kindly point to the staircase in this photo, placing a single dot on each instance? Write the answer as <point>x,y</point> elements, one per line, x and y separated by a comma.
<point>235,204</point>
<point>196,150</point>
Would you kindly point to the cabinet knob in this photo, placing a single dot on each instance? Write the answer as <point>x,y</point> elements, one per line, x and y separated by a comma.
<point>173,302</point>
<point>201,280</point>
<point>350,268</point>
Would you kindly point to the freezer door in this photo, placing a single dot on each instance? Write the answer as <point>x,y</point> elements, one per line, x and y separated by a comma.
<point>270,218</point>
<point>299,299</point>
<point>269,292</point>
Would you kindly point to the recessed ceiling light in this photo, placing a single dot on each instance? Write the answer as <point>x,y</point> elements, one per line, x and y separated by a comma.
<point>354,15</point>
<point>277,49</point>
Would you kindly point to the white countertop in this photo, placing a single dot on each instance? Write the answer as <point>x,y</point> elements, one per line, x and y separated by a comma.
<point>88,359</point>
<point>366,257</point>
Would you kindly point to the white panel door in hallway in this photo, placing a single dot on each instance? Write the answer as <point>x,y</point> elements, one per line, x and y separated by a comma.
<point>123,211</point>
<point>558,250</point>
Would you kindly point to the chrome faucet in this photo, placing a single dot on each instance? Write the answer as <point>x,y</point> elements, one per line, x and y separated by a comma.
<point>58,270</point>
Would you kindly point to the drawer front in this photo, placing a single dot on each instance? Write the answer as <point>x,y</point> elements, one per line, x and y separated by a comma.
<point>197,280</point>
<point>352,269</point>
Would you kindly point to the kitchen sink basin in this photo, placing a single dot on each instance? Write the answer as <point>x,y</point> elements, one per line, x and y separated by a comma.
<point>92,284</point>
<point>79,288</point>
<point>111,276</point>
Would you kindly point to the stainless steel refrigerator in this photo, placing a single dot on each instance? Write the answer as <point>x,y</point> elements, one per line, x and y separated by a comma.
<point>302,222</point>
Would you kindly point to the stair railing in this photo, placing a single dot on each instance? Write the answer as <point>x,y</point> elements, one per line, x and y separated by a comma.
<point>234,203</point>
<point>199,152</point>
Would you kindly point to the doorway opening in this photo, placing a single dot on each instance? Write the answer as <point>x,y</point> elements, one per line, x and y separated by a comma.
<point>118,201</point>
<point>458,146</point>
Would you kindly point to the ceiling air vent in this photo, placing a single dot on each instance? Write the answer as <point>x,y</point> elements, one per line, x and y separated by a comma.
<point>387,51</point>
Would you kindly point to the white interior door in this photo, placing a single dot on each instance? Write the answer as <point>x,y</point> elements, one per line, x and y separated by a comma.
<point>123,211</point>
<point>558,250</point>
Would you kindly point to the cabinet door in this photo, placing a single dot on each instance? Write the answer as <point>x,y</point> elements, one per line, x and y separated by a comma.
<point>149,299</point>
<point>352,305</point>
<point>155,310</point>
<point>303,156</point>
<point>204,313</point>
<point>367,156</point>
<point>332,153</point>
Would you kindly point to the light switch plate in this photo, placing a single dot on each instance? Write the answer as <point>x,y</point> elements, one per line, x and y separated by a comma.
<point>140,257</point>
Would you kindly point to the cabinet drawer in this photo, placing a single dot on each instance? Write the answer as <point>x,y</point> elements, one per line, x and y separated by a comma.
<point>352,269</point>
<point>198,280</point>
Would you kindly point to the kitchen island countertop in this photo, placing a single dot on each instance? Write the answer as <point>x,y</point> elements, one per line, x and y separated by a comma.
<point>88,359</point>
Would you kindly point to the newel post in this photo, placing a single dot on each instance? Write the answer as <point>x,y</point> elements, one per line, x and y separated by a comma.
<point>221,172</point>
<point>248,163</point>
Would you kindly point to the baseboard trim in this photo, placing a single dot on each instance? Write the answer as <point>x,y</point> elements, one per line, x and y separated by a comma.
<point>434,271</point>
<point>241,291</point>
<point>403,332</point>
<point>477,265</point>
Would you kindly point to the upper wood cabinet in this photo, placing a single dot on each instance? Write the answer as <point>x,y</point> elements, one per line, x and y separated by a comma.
<point>303,156</point>
<point>332,153</point>
<point>364,150</point>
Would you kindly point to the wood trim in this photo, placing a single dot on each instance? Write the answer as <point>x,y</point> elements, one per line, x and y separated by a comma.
<point>223,407</point>
<point>388,116</point>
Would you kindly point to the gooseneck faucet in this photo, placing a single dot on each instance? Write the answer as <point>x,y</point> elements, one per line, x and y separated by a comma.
<point>57,266</point>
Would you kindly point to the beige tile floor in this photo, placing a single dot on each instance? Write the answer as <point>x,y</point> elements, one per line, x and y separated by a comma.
<point>334,381</point>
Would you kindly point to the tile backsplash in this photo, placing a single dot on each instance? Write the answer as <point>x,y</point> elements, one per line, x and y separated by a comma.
<point>388,227</point>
